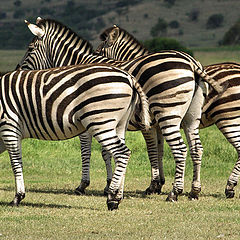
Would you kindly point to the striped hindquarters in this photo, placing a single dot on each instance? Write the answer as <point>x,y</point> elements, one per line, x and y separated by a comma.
<point>60,103</point>
<point>223,109</point>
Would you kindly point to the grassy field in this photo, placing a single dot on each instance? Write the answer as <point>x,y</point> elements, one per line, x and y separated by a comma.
<point>51,210</point>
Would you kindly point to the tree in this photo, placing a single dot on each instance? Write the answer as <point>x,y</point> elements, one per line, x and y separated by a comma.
<point>160,27</point>
<point>215,21</point>
<point>158,44</point>
<point>232,36</point>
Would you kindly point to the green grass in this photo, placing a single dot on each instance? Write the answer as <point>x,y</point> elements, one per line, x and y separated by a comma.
<point>52,211</point>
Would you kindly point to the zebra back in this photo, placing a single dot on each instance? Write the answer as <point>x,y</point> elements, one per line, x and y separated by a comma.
<point>121,45</point>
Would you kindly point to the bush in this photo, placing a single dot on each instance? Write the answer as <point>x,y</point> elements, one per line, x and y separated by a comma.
<point>170,3</point>
<point>232,36</point>
<point>160,27</point>
<point>215,21</point>
<point>158,44</point>
<point>17,3</point>
<point>193,15</point>
<point>174,24</point>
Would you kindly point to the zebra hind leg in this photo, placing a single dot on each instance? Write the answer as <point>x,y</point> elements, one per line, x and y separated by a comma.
<point>107,159</point>
<point>86,141</point>
<point>233,180</point>
<point>154,157</point>
<point>174,139</point>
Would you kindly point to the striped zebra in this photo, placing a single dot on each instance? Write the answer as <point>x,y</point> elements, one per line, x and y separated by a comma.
<point>167,78</point>
<point>221,110</point>
<point>61,103</point>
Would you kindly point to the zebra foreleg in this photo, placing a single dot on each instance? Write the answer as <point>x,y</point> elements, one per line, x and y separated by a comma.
<point>157,180</point>
<point>86,141</point>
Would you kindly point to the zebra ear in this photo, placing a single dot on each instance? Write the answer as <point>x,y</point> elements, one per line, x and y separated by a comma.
<point>113,35</point>
<point>38,20</point>
<point>37,31</point>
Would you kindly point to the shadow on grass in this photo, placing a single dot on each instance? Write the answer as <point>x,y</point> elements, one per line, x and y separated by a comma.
<point>96,193</point>
<point>99,193</point>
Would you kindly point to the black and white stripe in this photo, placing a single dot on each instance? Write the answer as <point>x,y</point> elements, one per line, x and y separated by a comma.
<point>222,110</point>
<point>167,78</point>
<point>61,103</point>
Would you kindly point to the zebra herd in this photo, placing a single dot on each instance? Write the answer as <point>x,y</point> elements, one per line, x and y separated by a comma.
<point>62,88</point>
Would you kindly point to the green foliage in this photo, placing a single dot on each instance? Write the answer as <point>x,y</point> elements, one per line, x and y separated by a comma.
<point>18,3</point>
<point>193,15</point>
<point>232,36</point>
<point>174,24</point>
<point>215,21</point>
<point>170,3</point>
<point>159,28</point>
<point>158,44</point>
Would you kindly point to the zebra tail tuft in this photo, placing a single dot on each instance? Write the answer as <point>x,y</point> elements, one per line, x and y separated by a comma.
<point>216,86</point>
<point>144,111</point>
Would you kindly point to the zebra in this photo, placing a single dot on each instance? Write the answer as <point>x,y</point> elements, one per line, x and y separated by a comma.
<point>222,110</point>
<point>167,78</point>
<point>61,103</point>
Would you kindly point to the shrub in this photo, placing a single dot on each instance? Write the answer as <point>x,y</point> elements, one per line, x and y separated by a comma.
<point>158,44</point>
<point>174,24</point>
<point>160,27</point>
<point>17,3</point>
<point>193,15</point>
<point>170,3</point>
<point>232,36</point>
<point>215,21</point>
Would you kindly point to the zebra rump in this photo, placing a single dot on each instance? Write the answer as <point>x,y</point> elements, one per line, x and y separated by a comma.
<point>61,103</point>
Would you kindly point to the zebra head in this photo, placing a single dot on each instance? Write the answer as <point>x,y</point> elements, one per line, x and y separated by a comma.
<point>117,43</point>
<point>51,46</point>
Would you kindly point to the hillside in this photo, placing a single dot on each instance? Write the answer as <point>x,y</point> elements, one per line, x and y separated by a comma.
<point>137,16</point>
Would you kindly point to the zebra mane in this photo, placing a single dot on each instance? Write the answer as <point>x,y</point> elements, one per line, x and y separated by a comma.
<point>43,22</point>
<point>103,36</point>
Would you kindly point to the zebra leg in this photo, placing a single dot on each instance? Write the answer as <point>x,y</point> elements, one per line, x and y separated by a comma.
<point>196,152</point>
<point>231,130</point>
<point>190,125</point>
<point>86,141</point>
<point>160,156</point>
<point>13,146</point>
<point>151,139</point>
<point>174,139</point>
<point>107,159</point>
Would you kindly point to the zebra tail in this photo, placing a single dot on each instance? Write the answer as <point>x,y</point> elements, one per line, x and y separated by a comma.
<point>216,86</point>
<point>144,108</point>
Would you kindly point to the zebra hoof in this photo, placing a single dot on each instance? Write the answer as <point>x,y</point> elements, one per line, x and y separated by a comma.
<point>155,187</point>
<point>17,199</point>
<point>112,205</point>
<point>105,191</point>
<point>80,190</point>
<point>193,196</point>
<point>229,193</point>
<point>172,197</point>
